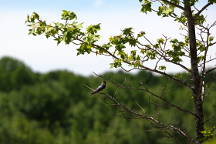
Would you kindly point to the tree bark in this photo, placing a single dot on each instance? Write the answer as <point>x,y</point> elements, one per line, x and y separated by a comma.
<point>196,77</point>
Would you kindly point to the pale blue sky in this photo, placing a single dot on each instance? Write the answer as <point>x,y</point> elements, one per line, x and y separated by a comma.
<point>84,5</point>
<point>44,55</point>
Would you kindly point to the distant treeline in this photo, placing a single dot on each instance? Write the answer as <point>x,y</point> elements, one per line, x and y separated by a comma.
<point>57,107</point>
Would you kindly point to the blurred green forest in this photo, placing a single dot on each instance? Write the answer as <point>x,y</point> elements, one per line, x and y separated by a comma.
<point>57,108</point>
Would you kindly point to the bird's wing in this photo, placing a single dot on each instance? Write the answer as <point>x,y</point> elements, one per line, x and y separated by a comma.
<point>99,88</point>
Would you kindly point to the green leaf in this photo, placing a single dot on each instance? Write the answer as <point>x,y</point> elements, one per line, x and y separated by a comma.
<point>199,19</point>
<point>146,6</point>
<point>127,31</point>
<point>93,29</point>
<point>123,55</point>
<point>68,15</point>
<point>142,33</point>
<point>117,63</point>
<point>200,46</point>
<point>165,11</point>
<point>212,1</point>
<point>50,31</point>
<point>201,58</point>
<point>162,67</point>
<point>211,38</point>
<point>84,48</point>
<point>35,15</point>
<point>151,54</point>
<point>192,2</point>
<point>137,63</point>
<point>161,41</point>
<point>132,42</point>
<point>175,1</point>
<point>182,19</point>
<point>59,39</point>
<point>67,37</point>
<point>32,18</point>
<point>106,46</point>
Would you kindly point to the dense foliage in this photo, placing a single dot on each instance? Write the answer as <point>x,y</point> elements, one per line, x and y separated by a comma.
<point>57,108</point>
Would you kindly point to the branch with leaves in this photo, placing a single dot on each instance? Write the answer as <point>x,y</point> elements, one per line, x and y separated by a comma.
<point>71,32</point>
<point>134,50</point>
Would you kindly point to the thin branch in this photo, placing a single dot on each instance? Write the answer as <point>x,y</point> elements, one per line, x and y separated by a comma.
<point>182,66</point>
<point>211,44</point>
<point>195,8</point>
<point>127,70</point>
<point>206,30</point>
<point>142,66</point>
<point>159,59</point>
<point>162,53</point>
<point>203,8</point>
<point>169,103</point>
<point>88,87</point>
<point>212,59</point>
<point>153,94</point>
<point>149,69</point>
<point>210,70</point>
<point>207,61</point>
<point>205,56</point>
<point>212,25</point>
<point>167,75</point>
<point>152,119</point>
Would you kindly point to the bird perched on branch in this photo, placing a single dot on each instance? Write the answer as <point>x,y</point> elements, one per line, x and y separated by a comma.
<point>100,87</point>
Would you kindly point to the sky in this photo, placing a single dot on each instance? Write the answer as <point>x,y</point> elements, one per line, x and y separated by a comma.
<point>43,55</point>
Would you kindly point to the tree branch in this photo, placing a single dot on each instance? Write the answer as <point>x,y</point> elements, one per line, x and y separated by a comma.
<point>151,70</point>
<point>168,75</point>
<point>173,4</point>
<point>203,8</point>
<point>161,53</point>
<point>152,119</point>
<point>153,94</point>
<point>210,70</point>
<point>169,103</point>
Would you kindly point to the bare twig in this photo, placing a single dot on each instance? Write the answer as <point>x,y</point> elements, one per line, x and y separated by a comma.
<point>210,70</point>
<point>152,119</point>
<point>129,70</point>
<point>154,95</point>
<point>89,87</point>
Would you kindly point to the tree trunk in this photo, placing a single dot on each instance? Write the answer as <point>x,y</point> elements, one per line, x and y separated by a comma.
<point>196,77</point>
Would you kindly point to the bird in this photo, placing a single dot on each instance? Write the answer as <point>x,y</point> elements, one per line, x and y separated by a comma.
<point>99,88</point>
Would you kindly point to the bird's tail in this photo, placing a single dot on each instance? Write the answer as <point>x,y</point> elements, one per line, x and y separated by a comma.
<point>94,92</point>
